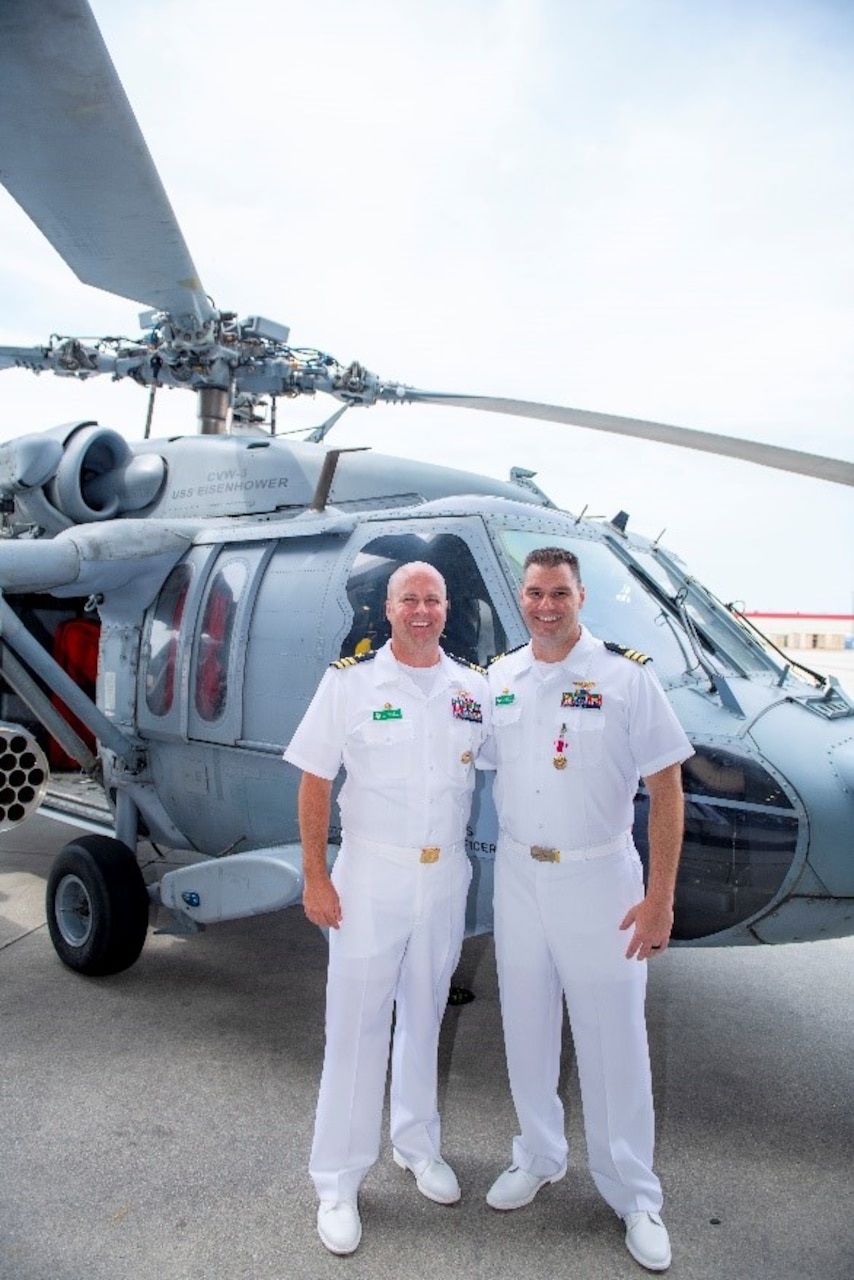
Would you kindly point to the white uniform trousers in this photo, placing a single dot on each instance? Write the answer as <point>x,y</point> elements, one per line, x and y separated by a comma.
<point>396,949</point>
<point>557,930</point>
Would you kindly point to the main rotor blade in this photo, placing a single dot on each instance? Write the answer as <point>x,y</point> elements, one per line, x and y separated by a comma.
<point>23,358</point>
<point>766,455</point>
<point>73,156</point>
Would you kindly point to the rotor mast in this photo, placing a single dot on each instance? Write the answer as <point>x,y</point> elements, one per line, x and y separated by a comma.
<point>214,411</point>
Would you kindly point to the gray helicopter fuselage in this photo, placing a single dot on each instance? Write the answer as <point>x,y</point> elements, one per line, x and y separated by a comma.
<point>206,582</point>
<point>264,605</point>
<point>222,601</point>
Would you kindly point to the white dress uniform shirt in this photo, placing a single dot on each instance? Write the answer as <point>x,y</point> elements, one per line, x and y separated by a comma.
<point>407,738</point>
<point>606,722</point>
<point>409,760</point>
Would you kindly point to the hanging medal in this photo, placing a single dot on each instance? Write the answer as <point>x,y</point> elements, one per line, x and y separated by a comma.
<point>561,746</point>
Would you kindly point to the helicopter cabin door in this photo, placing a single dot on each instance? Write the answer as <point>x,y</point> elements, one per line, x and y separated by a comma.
<point>193,654</point>
<point>216,672</point>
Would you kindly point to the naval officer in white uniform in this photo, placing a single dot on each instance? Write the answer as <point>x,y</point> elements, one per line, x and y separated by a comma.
<point>406,724</point>
<point>576,723</point>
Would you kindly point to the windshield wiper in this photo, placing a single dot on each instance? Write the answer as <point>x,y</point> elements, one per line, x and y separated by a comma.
<point>788,663</point>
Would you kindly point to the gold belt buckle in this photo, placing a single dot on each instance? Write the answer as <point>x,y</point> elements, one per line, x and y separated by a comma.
<point>540,854</point>
<point>430,855</point>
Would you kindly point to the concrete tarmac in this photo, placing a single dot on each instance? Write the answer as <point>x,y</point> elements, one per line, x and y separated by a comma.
<point>157,1123</point>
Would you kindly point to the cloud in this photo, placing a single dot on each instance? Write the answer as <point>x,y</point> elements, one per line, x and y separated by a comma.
<point>637,207</point>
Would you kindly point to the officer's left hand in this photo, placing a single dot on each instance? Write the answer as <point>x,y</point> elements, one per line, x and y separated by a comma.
<point>652,925</point>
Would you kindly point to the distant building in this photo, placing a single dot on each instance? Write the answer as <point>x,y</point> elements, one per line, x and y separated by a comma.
<point>806,630</point>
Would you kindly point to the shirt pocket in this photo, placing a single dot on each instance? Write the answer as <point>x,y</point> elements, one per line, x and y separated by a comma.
<point>460,744</point>
<point>507,731</point>
<point>387,747</point>
<point>583,729</point>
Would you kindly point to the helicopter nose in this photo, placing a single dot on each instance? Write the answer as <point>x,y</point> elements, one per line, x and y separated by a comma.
<point>842,764</point>
<point>819,900</point>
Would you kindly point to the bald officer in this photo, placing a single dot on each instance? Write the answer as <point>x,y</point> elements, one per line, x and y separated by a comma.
<point>406,724</point>
<point>576,725</point>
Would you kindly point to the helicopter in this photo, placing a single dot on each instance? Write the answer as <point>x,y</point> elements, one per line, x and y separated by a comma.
<point>169,606</point>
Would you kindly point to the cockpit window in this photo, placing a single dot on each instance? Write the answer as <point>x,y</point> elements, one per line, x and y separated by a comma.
<point>473,631</point>
<point>723,634</point>
<point>163,641</point>
<point>215,639</point>
<point>618,606</point>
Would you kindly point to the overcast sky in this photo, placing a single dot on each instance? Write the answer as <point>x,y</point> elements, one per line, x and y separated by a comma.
<point>635,206</point>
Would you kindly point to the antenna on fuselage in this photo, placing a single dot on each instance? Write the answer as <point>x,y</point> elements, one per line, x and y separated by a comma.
<point>327,473</point>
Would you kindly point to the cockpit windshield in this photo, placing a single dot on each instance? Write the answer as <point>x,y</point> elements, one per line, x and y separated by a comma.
<point>642,599</point>
<point>618,606</point>
<point>722,632</point>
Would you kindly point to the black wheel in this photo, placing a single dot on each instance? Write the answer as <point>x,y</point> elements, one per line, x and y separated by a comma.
<point>97,906</point>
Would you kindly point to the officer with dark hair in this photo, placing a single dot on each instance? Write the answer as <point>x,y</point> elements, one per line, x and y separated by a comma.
<point>576,724</point>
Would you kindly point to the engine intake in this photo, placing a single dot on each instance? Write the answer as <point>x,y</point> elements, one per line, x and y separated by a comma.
<point>99,477</point>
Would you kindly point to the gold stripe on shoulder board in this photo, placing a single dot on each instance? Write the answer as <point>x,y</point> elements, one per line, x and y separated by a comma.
<point>341,664</point>
<point>464,662</point>
<point>498,656</point>
<point>625,652</point>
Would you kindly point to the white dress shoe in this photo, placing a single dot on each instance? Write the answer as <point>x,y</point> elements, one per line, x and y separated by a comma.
<point>647,1240</point>
<point>515,1188</point>
<point>434,1179</point>
<point>339,1225</point>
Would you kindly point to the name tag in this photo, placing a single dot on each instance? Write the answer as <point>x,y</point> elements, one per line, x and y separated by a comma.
<point>389,713</point>
<point>505,699</point>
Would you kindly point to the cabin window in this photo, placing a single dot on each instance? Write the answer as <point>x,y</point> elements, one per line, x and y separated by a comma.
<point>473,630</point>
<point>163,641</point>
<point>215,639</point>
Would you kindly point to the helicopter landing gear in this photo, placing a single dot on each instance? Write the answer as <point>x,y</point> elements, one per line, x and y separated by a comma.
<point>97,906</point>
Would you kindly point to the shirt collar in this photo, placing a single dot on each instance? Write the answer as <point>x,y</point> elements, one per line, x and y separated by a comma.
<point>388,671</point>
<point>577,660</point>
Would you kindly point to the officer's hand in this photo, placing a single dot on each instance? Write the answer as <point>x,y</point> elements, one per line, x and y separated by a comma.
<point>321,903</point>
<point>652,925</point>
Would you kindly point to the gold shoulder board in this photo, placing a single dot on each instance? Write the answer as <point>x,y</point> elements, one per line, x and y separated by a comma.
<point>341,664</point>
<point>626,653</point>
<point>464,662</point>
<point>498,656</point>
